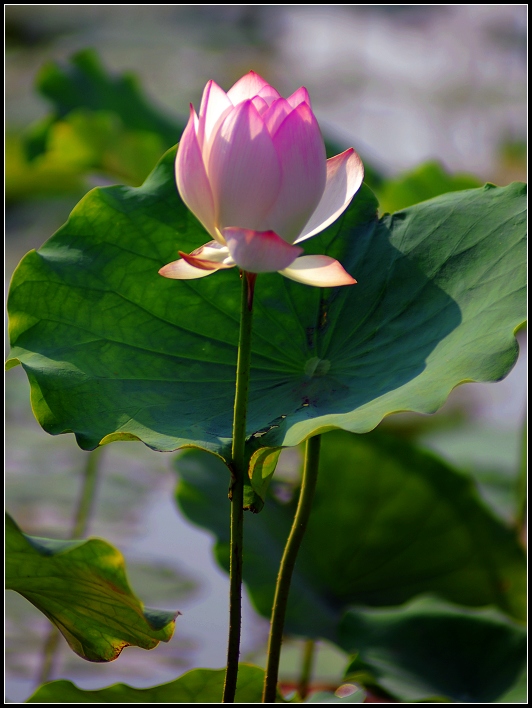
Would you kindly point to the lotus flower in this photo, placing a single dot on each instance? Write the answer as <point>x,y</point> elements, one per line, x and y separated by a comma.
<point>252,168</point>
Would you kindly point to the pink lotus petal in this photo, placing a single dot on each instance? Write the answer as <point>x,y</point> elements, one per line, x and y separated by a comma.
<point>191,177</point>
<point>181,270</point>
<point>214,107</point>
<point>260,104</point>
<point>259,251</point>
<point>252,168</point>
<point>244,170</point>
<point>245,88</point>
<point>299,96</point>
<point>212,255</point>
<point>201,262</point>
<point>345,173</point>
<point>269,94</point>
<point>276,113</point>
<point>301,151</point>
<point>321,271</point>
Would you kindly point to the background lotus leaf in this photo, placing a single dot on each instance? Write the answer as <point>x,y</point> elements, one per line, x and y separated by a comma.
<point>426,181</point>
<point>196,686</point>
<point>388,522</point>
<point>85,83</point>
<point>429,649</point>
<point>81,586</point>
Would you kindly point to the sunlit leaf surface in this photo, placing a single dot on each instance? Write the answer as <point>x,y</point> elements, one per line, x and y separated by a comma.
<point>81,586</point>
<point>196,686</point>
<point>114,351</point>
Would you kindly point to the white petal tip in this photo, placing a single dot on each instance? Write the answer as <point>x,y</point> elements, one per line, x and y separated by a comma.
<point>181,270</point>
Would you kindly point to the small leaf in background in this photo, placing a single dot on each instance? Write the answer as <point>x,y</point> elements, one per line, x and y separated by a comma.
<point>81,586</point>
<point>43,178</point>
<point>424,182</point>
<point>388,522</point>
<point>84,83</point>
<point>98,141</point>
<point>261,469</point>
<point>114,351</point>
<point>101,125</point>
<point>196,686</point>
<point>81,144</point>
<point>429,649</point>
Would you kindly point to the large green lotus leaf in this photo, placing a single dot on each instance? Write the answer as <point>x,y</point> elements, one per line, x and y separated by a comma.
<point>388,522</point>
<point>81,586</point>
<point>114,351</point>
<point>429,648</point>
<point>196,686</point>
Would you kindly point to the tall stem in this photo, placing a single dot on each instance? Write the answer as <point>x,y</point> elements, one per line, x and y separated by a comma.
<point>79,529</point>
<point>309,651</point>
<point>87,495</point>
<point>308,487</point>
<point>238,470</point>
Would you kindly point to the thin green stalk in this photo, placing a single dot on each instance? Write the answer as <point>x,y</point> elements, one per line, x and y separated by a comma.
<point>49,654</point>
<point>308,487</point>
<point>238,470</point>
<point>309,651</point>
<point>79,529</point>
<point>87,495</point>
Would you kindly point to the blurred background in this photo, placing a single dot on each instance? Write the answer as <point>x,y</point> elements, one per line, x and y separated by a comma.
<point>404,85</point>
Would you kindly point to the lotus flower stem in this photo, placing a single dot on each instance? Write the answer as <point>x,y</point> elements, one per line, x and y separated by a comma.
<point>79,529</point>
<point>308,487</point>
<point>238,470</point>
<point>309,652</point>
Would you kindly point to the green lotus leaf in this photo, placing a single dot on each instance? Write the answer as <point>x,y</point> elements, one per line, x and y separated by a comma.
<point>81,586</point>
<point>83,143</point>
<point>518,693</point>
<point>261,469</point>
<point>113,351</point>
<point>388,522</point>
<point>196,686</point>
<point>84,83</point>
<point>423,182</point>
<point>429,649</point>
